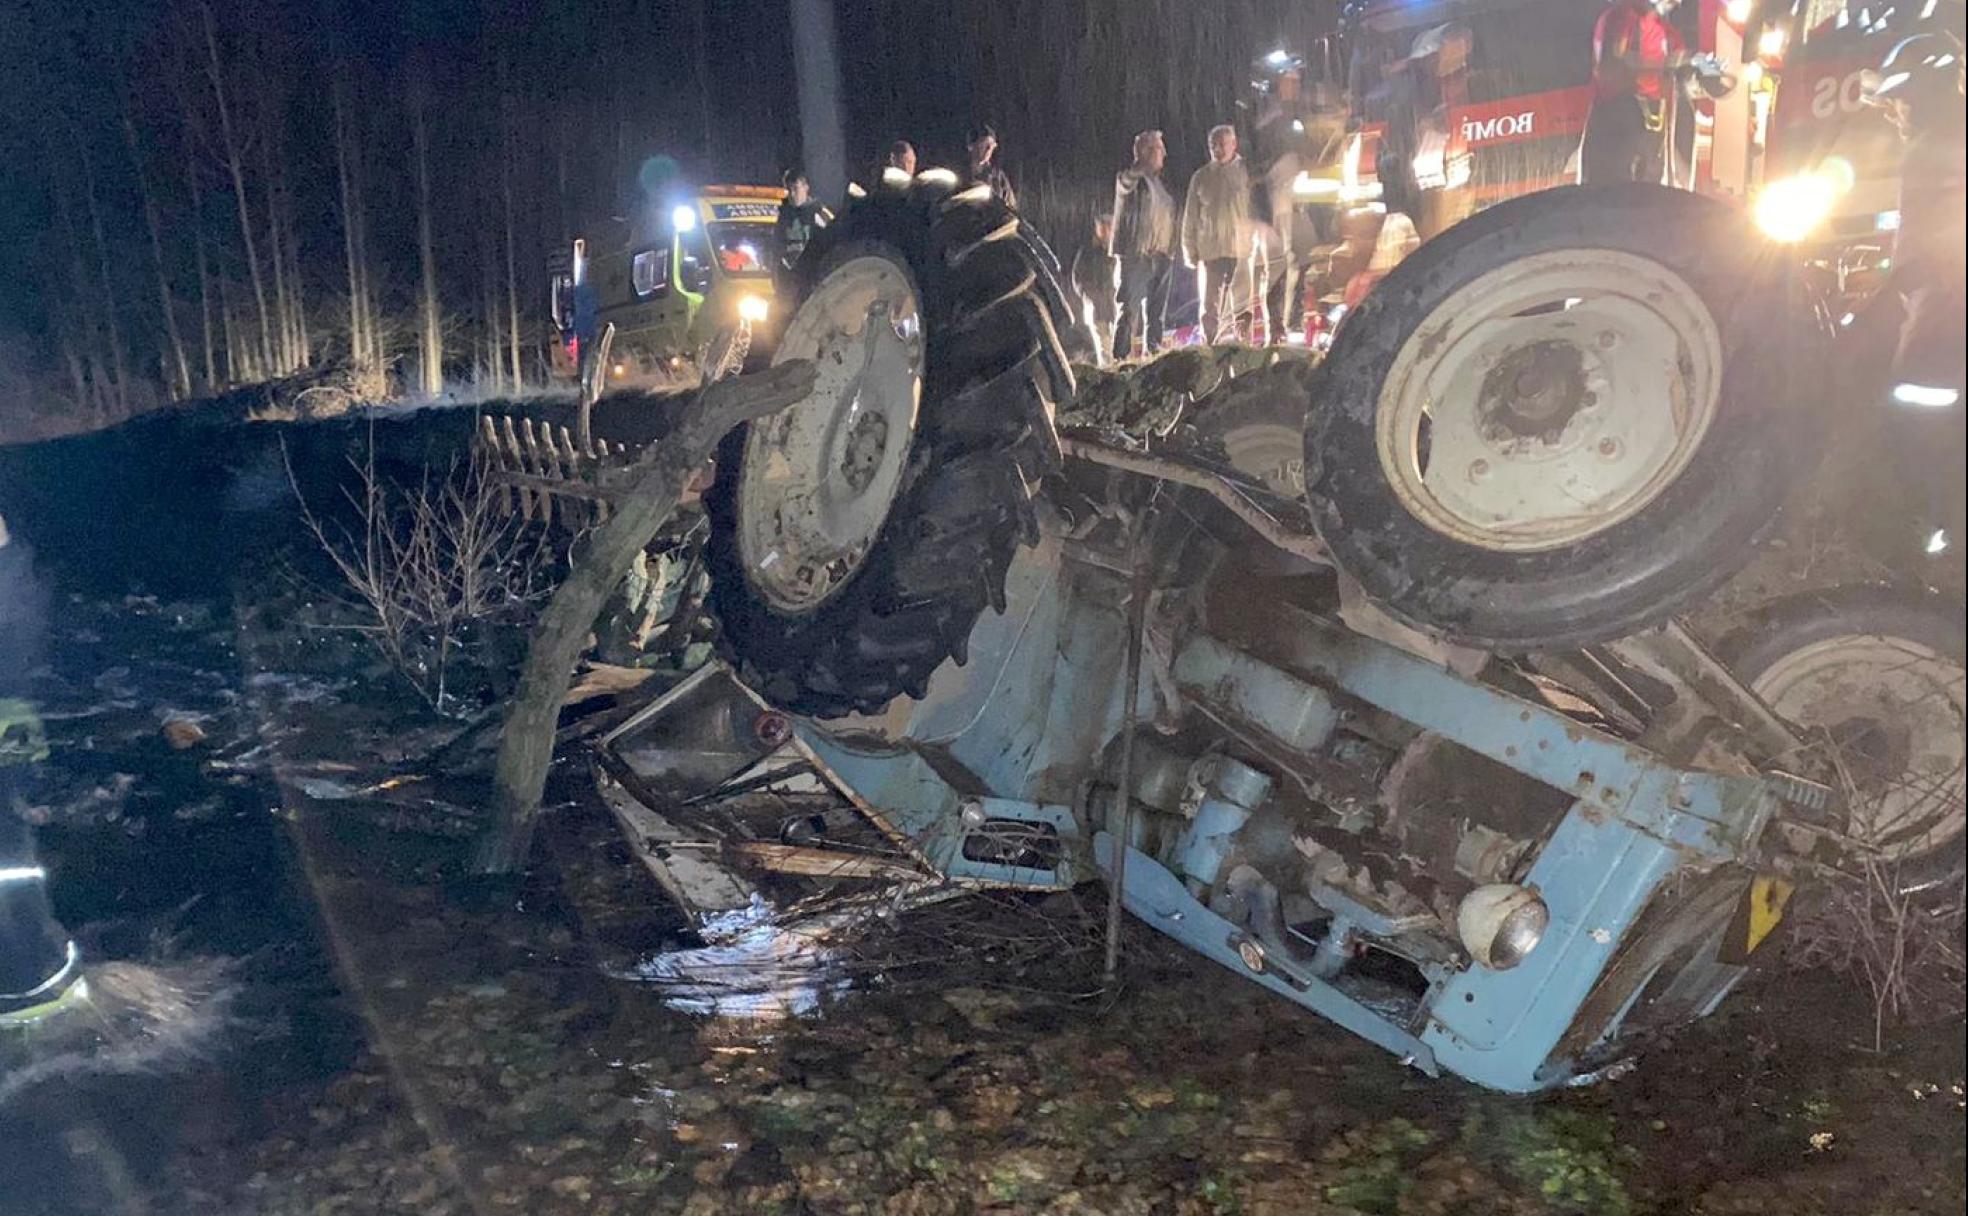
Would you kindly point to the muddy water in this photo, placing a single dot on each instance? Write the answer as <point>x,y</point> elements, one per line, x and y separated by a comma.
<point>396,1038</point>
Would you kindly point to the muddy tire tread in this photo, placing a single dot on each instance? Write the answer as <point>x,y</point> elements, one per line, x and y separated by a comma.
<point>983,441</point>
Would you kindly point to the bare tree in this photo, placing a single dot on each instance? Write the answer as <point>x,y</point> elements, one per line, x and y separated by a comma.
<point>196,193</point>
<point>166,307</point>
<point>430,320</point>
<point>347,150</point>
<point>282,355</point>
<point>119,351</point>
<point>235,165</point>
<point>506,157</point>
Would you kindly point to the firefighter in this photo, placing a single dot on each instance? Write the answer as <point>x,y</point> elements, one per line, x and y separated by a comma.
<point>40,970</point>
<point>1921,86</point>
<point>1635,48</point>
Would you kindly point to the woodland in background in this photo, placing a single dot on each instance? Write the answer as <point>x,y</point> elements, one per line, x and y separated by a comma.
<point>197,195</point>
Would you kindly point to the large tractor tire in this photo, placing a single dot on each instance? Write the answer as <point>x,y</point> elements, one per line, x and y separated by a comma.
<point>1873,678</point>
<point>857,535</point>
<point>1566,417</point>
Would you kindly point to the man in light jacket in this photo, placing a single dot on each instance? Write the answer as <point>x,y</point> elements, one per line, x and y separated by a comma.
<point>1216,226</point>
<point>1144,237</point>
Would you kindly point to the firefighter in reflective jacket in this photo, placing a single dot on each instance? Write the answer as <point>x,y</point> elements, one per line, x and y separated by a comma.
<point>1635,49</point>
<point>40,971</point>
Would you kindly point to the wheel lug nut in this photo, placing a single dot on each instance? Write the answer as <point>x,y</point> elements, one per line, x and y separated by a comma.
<point>1478,470</point>
<point>1609,448</point>
<point>1608,339</point>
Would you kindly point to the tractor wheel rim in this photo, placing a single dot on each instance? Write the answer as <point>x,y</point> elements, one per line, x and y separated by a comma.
<point>1890,714</point>
<point>1550,400</point>
<point>820,476</point>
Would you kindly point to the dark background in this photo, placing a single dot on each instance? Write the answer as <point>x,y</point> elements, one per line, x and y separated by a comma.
<point>559,102</point>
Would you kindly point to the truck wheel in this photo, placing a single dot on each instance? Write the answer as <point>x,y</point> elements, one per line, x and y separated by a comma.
<point>1875,676</point>
<point>1566,417</point>
<point>857,535</point>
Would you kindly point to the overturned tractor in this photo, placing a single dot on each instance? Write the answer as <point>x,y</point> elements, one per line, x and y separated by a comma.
<point>1404,730</point>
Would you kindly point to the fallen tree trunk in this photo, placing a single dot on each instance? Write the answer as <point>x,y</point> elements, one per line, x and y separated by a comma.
<point>526,743</point>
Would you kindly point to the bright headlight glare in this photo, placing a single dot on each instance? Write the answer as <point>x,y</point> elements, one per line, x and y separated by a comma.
<point>752,308</point>
<point>1791,208</point>
<point>1307,186</point>
<point>1501,923</point>
<point>1926,396</point>
<point>683,217</point>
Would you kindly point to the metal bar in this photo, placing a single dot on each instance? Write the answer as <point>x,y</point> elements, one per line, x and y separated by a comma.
<point>1159,899</point>
<point>515,465</point>
<point>822,863</point>
<point>1221,489</point>
<point>1673,656</point>
<point>1607,774</point>
<point>1137,627</point>
<point>546,485</point>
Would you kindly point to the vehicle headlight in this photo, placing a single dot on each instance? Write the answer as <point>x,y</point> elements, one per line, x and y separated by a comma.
<point>1501,923</point>
<point>683,217</point>
<point>1791,208</point>
<point>1307,186</point>
<point>1926,396</point>
<point>753,308</point>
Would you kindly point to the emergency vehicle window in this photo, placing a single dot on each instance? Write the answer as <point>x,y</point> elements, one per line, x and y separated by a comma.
<point>743,249</point>
<point>694,261</point>
<point>1534,48</point>
<point>1818,17</point>
<point>650,272</point>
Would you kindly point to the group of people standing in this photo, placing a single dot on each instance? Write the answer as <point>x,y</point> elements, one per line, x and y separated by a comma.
<point>801,215</point>
<point>1123,275</point>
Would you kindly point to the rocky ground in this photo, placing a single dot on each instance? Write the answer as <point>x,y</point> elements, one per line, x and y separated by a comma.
<point>228,797</point>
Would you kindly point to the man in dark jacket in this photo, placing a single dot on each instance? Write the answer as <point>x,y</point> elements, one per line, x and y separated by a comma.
<point>1144,239</point>
<point>800,217</point>
<point>982,143</point>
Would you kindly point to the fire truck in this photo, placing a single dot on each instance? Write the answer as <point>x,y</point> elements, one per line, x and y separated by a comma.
<point>1459,104</point>
<point>1455,105</point>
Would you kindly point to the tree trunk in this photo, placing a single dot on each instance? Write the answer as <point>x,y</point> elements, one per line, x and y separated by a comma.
<point>119,351</point>
<point>700,29</point>
<point>429,320</point>
<point>80,328</point>
<point>493,369</point>
<point>527,740</point>
<point>283,337</point>
<point>236,167</point>
<point>345,153</point>
<point>303,345</point>
<point>235,363</point>
<point>512,258</point>
<point>204,267</point>
<point>180,367</point>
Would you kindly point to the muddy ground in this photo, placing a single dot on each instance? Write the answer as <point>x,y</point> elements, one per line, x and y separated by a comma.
<point>393,1036</point>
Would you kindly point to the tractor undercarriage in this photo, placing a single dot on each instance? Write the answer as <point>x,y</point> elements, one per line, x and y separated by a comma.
<point>1362,680</point>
